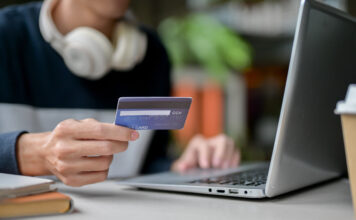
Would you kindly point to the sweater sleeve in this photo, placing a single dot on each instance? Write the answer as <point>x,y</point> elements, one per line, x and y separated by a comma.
<point>8,160</point>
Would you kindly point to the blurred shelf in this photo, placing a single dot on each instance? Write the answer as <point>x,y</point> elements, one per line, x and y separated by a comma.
<point>264,19</point>
<point>270,50</point>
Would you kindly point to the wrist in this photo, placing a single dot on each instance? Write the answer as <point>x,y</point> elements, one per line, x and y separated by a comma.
<point>30,158</point>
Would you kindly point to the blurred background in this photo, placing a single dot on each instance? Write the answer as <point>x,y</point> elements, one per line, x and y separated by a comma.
<point>232,57</point>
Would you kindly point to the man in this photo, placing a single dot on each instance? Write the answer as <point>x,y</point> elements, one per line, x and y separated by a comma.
<point>48,76</point>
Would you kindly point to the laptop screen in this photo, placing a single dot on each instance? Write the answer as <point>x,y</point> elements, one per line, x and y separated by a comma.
<point>309,144</point>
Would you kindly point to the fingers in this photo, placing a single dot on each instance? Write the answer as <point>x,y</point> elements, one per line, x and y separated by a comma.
<point>72,149</point>
<point>230,152</point>
<point>188,160</point>
<point>220,152</point>
<point>85,170</point>
<point>225,153</point>
<point>217,152</point>
<point>84,164</point>
<point>84,178</point>
<point>90,148</point>
<point>204,154</point>
<point>197,154</point>
<point>80,152</point>
<point>92,129</point>
<point>236,159</point>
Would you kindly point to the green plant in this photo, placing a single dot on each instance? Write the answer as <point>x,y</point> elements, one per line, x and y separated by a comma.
<point>199,39</point>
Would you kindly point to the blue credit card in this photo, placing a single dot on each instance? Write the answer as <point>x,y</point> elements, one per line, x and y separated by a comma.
<point>152,113</point>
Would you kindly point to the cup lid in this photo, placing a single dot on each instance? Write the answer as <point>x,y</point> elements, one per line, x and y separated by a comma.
<point>348,106</point>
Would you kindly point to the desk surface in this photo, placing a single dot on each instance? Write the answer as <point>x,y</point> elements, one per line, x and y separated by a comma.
<point>108,200</point>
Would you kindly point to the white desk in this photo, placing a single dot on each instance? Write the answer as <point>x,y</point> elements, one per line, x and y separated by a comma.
<point>108,200</point>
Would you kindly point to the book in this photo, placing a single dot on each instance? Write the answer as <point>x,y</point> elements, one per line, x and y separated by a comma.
<point>16,185</point>
<point>34,205</point>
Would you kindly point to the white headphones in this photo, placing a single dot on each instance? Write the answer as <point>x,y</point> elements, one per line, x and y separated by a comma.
<point>87,52</point>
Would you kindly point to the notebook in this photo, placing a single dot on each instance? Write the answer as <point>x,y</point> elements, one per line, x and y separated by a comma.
<point>15,185</point>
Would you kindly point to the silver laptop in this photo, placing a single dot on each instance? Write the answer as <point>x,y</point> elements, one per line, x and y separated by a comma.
<point>308,147</point>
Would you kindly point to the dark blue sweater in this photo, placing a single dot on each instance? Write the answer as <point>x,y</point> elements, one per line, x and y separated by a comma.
<point>32,73</point>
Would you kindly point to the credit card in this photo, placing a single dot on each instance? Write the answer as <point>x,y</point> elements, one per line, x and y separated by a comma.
<point>152,113</point>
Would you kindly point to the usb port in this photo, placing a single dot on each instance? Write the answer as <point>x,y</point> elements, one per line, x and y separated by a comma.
<point>220,191</point>
<point>233,191</point>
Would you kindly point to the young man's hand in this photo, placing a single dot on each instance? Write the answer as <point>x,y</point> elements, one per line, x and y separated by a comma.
<point>217,152</point>
<point>77,152</point>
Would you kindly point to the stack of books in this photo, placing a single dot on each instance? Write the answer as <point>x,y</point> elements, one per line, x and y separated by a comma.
<point>30,196</point>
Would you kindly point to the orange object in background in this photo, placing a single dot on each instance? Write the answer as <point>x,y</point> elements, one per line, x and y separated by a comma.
<point>257,77</point>
<point>212,97</point>
<point>192,124</point>
<point>206,114</point>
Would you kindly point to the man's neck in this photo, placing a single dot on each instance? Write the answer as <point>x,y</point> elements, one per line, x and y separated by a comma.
<point>70,14</point>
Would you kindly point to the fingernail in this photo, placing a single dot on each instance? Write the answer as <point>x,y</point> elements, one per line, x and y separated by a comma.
<point>134,135</point>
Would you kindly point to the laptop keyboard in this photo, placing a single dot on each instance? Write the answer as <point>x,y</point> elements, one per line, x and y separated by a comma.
<point>254,177</point>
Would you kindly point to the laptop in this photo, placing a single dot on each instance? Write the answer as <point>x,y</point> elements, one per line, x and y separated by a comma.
<point>308,146</point>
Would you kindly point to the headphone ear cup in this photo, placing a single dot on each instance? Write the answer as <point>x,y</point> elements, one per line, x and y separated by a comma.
<point>130,46</point>
<point>87,53</point>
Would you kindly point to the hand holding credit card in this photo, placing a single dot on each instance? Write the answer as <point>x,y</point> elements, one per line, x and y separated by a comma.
<point>152,113</point>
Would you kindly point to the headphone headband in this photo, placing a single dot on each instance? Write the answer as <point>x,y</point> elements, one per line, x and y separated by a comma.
<point>48,29</point>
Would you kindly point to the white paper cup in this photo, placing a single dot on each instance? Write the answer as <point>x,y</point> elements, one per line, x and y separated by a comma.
<point>347,110</point>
